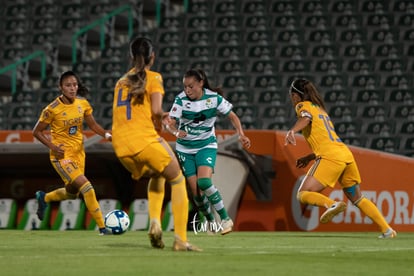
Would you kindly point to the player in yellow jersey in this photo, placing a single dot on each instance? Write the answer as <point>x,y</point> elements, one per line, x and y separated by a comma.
<point>137,114</point>
<point>65,116</point>
<point>333,159</point>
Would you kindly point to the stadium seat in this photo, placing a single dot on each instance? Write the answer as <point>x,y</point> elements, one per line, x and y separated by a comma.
<point>170,52</point>
<point>354,141</point>
<point>317,21</point>
<point>8,213</point>
<point>403,111</point>
<point>278,114</point>
<point>277,125</point>
<point>326,52</point>
<point>407,128</point>
<point>347,21</point>
<point>367,81</point>
<point>370,96</point>
<point>264,66</point>
<point>401,81</point>
<point>372,6</point>
<point>29,219</point>
<point>379,21</point>
<point>403,6</point>
<point>70,215</point>
<point>106,205</point>
<point>200,7</point>
<point>284,21</point>
<point>291,37</point>
<point>295,66</point>
<point>386,50</point>
<point>272,97</point>
<point>267,81</point>
<point>240,97</point>
<point>138,215</point>
<point>198,22</point>
<point>401,96</point>
<point>360,66</point>
<point>337,97</point>
<point>225,7</point>
<point>228,37</point>
<point>321,36</point>
<point>356,51</point>
<point>394,66</point>
<point>171,68</point>
<point>328,66</point>
<point>199,52</point>
<point>235,81</point>
<point>247,114</point>
<point>334,81</point>
<point>388,144</point>
<point>25,97</point>
<point>260,51</point>
<point>231,22</point>
<point>172,22</point>
<point>231,66</point>
<point>406,21</point>
<point>167,37</point>
<point>345,113</point>
<point>284,7</point>
<point>257,22</point>
<point>382,129</point>
<point>379,113</point>
<point>409,144</point>
<point>198,37</point>
<point>342,6</point>
<point>347,129</point>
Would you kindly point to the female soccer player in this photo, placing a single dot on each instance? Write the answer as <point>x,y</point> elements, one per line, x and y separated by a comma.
<point>196,110</point>
<point>333,159</point>
<point>137,114</point>
<point>65,115</point>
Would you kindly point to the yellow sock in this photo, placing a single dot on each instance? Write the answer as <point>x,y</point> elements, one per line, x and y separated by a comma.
<point>179,206</point>
<point>58,195</point>
<point>315,198</point>
<point>92,204</point>
<point>369,209</point>
<point>156,189</point>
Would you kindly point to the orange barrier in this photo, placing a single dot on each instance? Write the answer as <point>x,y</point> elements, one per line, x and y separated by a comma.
<point>387,180</point>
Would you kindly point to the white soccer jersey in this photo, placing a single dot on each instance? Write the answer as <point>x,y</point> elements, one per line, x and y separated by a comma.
<point>197,118</point>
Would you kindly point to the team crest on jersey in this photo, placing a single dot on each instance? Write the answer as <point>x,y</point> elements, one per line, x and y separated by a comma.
<point>46,113</point>
<point>80,109</point>
<point>209,103</point>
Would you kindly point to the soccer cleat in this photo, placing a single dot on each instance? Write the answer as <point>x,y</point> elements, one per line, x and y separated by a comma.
<point>391,233</point>
<point>155,235</point>
<point>41,204</point>
<point>104,232</point>
<point>227,226</point>
<point>179,245</point>
<point>332,211</point>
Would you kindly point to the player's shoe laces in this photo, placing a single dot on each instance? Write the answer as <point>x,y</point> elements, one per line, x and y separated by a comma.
<point>155,235</point>
<point>332,211</point>
<point>391,233</point>
<point>179,245</point>
<point>227,226</point>
<point>41,204</point>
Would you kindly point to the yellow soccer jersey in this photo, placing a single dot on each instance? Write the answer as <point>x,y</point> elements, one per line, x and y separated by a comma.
<point>320,133</point>
<point>132,124</point>
<point>66,123</point>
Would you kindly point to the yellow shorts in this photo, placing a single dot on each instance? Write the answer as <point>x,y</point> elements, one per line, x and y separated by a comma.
<point>154,158</point>
<point>70,167</point>
<point>328,172</point>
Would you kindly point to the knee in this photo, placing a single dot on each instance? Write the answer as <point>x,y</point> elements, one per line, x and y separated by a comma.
<point>353,193</point>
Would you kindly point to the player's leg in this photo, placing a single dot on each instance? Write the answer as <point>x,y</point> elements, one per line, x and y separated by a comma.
<point>322,174</point>
<point>161,158</point>
<point>64,170</point>
<point>188,165</point>
<point>350,182</point>
<point>156,190</point>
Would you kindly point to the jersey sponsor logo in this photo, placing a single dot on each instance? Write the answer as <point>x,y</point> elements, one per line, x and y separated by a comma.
<point>73,130</point>
<point>209,103</point>
<point>209,160</point>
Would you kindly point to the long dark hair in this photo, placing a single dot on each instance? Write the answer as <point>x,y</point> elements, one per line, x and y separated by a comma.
<point>200,75</point>
<point>140,50</point>
<point>307,92</point>
<point>83,91</point>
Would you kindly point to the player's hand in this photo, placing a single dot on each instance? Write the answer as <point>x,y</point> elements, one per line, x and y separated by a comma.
<point>304,161</point>
<point>58,151</point>
<point>245,141</point>
<point>290,138</point>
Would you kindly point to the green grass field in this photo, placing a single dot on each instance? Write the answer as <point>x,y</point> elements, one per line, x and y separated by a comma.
<point>239,253</point>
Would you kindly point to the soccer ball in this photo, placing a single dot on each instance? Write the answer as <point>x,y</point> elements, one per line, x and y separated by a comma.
<point>117,221</point>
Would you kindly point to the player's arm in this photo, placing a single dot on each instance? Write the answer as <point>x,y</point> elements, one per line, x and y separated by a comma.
<point>97,128</point>
<point>235,121</point>
<point>300,124</point>
<point>38,133</point>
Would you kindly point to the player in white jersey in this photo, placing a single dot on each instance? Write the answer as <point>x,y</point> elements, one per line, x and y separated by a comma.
<point>193,116</point>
